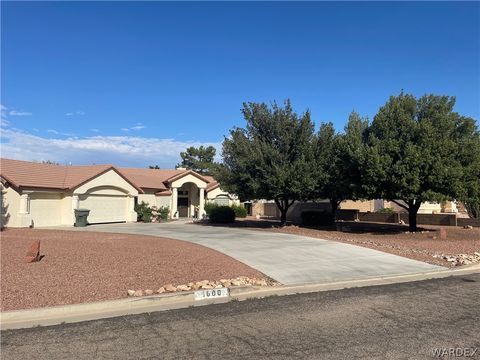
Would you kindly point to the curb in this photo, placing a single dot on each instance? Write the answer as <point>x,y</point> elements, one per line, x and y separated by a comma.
<point>19,319</point>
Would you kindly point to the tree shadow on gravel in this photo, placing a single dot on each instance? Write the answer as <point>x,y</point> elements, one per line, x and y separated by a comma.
<point>340,226</point>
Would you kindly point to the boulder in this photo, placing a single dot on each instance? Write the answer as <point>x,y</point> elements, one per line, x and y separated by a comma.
<point>33,253</point>
<point>148,292</point>
<point>131,292</point>
<point>183,288</point>
<point>138,293</point>
<point>170,288</point>
<point>161,290</point>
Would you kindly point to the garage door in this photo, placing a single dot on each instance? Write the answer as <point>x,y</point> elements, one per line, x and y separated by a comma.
<point>105,208</point>
<point>46,209</point>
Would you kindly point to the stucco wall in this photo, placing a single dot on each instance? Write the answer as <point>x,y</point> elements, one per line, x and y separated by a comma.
<point>211,195</point>
<point>110,179</point>
<point>10,206</point>
<point>189,178</point>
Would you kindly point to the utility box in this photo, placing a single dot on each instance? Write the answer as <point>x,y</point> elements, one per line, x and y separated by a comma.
<point>81,216</point>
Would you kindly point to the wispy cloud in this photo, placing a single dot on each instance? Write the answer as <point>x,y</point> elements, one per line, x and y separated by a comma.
<point>19,113</point>
<point>132,151</point>
<point>78,112</point>
<point>95,130</point>
<point>52,131</point>
<point>136,127</point>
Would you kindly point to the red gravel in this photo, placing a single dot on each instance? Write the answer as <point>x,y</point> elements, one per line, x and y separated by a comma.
<point>86,266</point>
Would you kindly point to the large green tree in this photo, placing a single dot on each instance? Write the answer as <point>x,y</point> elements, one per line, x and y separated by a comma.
<point>412,152</point>
<point>200,160</point>
<point>468,151</point>
<point>271,157</point>
<point>337,161</point>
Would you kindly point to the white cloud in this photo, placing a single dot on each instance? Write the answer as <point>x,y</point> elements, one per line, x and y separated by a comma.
<point>78,112</point>
<point>132,151</point>
<point>95,130</point>
<point>19,113</point>
<point>51,131</point>
<point>138,126</point>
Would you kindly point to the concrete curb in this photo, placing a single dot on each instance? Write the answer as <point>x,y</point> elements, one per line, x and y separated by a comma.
<point>55,315</point>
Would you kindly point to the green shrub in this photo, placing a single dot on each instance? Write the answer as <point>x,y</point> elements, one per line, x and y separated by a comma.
<point>144,212</point>
<point>221,215</point>
<point>209,207</point>
<point>162,213</point>
<point>240,211</point>
<point>386,211</point>
<point>317,218</point>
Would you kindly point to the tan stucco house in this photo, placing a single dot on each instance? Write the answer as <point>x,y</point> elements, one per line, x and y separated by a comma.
<point>46,195</point>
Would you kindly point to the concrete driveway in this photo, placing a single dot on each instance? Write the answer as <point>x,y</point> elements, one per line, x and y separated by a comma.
<point>289,259</point>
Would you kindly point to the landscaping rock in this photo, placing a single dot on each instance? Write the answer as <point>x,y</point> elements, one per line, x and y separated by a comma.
<point>468,227</point>
<point>161,290</point>
<point>183,288</point>
<point>170,288</point>
<point>138,293</point>
<point>131,292</point>
<point>148,292</point>
<point>33,253</point>
<point>207,286</point>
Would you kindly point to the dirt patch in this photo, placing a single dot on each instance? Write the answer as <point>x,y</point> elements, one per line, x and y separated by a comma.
<point>86,266</point>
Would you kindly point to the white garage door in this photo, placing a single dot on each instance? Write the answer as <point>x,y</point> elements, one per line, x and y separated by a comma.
<point>46,209</point>
<point>105,208</point>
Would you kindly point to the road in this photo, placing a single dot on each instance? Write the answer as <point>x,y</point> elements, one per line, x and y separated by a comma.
<point>401,321</point>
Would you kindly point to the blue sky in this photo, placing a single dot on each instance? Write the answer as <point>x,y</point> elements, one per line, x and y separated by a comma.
<point>135,83</point>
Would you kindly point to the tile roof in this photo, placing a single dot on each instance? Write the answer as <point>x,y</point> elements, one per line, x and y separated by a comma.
<point>38,175</point>
<point>31,174</point>
<point>150,178</point>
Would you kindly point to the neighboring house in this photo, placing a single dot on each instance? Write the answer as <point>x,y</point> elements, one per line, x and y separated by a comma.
<point>46,195</point>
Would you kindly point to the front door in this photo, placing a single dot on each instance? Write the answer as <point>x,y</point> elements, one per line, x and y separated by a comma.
<point>182,206</point>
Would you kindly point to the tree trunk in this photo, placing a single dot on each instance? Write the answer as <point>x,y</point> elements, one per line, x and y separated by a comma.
<point>334,203</point>
<point>283,217</point>
<point>283,205</point>
<point>413,207</point>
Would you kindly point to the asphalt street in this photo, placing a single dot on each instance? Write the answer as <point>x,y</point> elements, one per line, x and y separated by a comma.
<point>401,321</point>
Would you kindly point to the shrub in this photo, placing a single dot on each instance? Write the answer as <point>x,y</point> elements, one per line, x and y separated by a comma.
<point>162,213</point>
<point>317,218</point>
<point>209,207</point>
<point>221,215</point>
<point>386,211</point>
<point>144,212</point>
<point>240,211</point>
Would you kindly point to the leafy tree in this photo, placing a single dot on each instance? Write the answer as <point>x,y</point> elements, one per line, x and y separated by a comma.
<point>200,160</point>
<point>154,167</point>
<point>411,155</point>
<point>468,151</point>
<point>337,161</point>
<point>271,158</point>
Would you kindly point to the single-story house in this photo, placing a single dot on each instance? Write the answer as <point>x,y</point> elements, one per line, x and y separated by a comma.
<point>41,194</point>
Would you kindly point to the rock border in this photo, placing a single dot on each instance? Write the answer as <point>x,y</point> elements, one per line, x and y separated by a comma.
<point>205,285</point>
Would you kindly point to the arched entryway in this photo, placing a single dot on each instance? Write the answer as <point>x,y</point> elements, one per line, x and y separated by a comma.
<point>188,196</point>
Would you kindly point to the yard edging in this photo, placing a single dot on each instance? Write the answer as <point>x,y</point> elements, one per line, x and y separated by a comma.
<point>55,315</point>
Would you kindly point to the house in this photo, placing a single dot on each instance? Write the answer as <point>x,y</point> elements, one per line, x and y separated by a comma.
<point>46,194</point>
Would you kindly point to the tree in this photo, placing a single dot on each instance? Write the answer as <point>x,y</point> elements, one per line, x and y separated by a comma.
<point>154,167</point>
<point>271,158</point>
<point>200,160</point>
<point>337,161</point>
<point>468,151</point>
<point>411,154</point>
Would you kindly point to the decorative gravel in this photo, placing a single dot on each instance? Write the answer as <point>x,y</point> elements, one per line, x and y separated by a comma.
<point>81,267</point>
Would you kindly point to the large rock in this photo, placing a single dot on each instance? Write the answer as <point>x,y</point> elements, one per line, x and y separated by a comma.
<point>183,288</point>
<point>131,292</point>
<point>33,253</point>
<point>148,292</point>
<point>170,288</point>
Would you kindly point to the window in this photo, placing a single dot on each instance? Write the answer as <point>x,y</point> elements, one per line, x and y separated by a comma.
<point>222,200</point>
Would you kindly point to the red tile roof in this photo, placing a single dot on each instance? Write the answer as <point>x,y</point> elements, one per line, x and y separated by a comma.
<point>38,175</point>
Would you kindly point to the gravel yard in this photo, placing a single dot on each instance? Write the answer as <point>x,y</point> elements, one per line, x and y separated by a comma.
<point>390,238</point>
<point>89,266</point>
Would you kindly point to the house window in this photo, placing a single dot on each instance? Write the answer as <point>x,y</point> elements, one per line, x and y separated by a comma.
<point>222,200</point>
